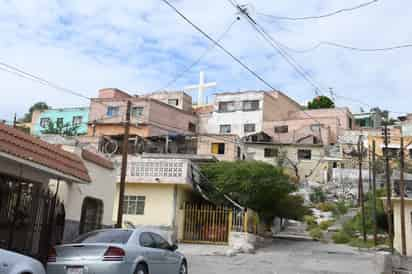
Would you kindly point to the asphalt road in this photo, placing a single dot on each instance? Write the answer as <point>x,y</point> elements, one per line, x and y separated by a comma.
<point>288,257</point>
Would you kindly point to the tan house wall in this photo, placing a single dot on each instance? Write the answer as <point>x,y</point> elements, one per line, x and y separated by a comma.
<point>315,167</point>
<point>163,207</point>
<point>184,100</point>
<point>205,142</point>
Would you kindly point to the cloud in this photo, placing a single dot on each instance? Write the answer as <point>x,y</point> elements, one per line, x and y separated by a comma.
<point>140,45</point>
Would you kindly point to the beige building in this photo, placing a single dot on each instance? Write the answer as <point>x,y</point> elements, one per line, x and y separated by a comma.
<point>149,117</point>
<point>156,190</point>
<point>225,147</point>
<point>305,161</point>
<point>178,99</point>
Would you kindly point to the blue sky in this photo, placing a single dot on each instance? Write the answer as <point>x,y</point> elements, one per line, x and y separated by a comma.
<point>139,46</point>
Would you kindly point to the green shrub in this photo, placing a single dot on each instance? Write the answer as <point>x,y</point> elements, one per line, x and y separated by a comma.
<point>310,221</point>
<point>317,196</point>
<point>326,207</point>
<point>340,209</point>
<point>316,233</point>
<point>324,225</point>
<point>341,237</point>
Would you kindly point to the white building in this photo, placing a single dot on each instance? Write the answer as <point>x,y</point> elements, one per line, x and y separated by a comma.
<point>243,113</point>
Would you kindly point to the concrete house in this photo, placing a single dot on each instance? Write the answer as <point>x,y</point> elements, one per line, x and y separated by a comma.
<point>321,125</point>
<point>71,119</point>
<point>149,117</point>
<point>157,186</point>
<point>244,113</point>
<point>88,206</point>
<point>178,99</point>
<point>305,161</point>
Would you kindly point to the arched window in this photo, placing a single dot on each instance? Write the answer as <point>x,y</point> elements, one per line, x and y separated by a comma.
<point>92,212</point>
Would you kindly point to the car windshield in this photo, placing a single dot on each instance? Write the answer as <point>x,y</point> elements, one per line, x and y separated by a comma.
<point>105,236</point>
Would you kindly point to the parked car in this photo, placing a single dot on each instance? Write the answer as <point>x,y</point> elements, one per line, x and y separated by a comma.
<point>14,263</point>
<point>126,251</point>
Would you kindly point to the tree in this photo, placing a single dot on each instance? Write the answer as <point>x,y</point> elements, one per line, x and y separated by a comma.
<point>321,102</point>
<point>257,185</point>
<point>36,106</point>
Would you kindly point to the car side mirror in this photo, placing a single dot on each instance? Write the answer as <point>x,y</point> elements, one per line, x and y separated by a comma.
<point>173,247</point>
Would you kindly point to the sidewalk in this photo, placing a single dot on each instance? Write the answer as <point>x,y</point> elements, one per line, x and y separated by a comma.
<point>203,249</point>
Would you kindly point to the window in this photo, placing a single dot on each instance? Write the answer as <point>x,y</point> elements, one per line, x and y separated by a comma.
<point>160,242</point>
<point>137,111</point>
<point>59,122</point>
<point>410,154</point>
<point>281,129</point>
<point>146,240</point>
<point>392,152</point>
<point>77,120</point>
<point>112,111</point>
<point>225,129</point>
<point>227,106</point>
<point>91,217</point>
<point>304,154</point>
<point>250,105</point>
<point>44,122</point>
<point>192,127</point>
<point>134,205</point>
<point>173,102</point>
<point>350,123</point>
<point>105,236</point>
<point>218,148</point>
<point>271,152</point>
<point>249,128</point>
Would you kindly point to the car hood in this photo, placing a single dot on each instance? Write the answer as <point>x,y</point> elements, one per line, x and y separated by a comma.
<point>17,263</point>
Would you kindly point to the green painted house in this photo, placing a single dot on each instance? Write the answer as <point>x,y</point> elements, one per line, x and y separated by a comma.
<point>61,121</point>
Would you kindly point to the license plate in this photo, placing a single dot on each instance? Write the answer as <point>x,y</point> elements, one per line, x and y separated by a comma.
<point>74,270</point>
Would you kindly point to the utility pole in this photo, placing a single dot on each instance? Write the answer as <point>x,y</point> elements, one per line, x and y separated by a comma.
<point>402,193</point>
<point>125,151</point>
<point>375,225</point>
<point>361,199</point>
<point>15,120</point>
<point>388,186</point>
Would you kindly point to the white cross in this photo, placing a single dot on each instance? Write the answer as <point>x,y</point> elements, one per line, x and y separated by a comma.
<point>201,88</point>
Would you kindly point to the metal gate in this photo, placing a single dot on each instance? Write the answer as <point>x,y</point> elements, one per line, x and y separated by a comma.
<point>205,223</point>
<point>29,221</point>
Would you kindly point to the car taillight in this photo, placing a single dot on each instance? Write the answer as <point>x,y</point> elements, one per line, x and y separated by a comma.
<point>52,256</point>
<point>114,254</point>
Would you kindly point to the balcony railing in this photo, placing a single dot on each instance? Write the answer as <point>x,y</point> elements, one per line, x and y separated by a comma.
<point>176,171</point>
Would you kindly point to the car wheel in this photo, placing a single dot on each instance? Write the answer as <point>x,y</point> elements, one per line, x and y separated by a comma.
<point>141,269</point>
<point>183,268</point>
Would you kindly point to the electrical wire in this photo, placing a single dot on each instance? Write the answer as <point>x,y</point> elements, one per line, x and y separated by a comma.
<point>198,60</point>
<point>240,62</point>
<point>337,45</point>
<point>319,16</point>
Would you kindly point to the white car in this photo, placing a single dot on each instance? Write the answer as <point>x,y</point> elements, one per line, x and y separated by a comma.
<point>13,263</point>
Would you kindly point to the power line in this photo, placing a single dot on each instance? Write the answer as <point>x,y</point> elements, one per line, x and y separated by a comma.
<point>337,45</point>
<point>219,45</point>
<point>319,16</point>
<point>27,75</point>
<point>198,60</point>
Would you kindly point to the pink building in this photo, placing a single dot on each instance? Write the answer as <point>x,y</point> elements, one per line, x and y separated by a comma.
<point>149,117</point>
<point>319,126</point>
